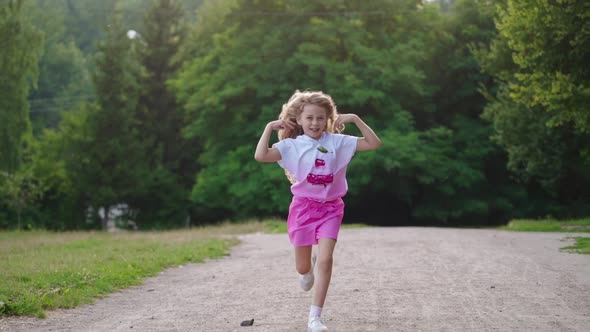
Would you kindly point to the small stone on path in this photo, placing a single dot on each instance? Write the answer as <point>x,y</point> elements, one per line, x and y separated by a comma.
<point>247,322</point>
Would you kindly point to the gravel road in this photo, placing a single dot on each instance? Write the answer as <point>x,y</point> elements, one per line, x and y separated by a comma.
<point>385,279</point>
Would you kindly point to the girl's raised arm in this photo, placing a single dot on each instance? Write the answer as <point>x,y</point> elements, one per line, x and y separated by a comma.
<point>369,141</point>
<point>263,153</point>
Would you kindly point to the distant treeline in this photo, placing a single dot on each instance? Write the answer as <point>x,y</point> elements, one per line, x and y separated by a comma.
<point>155,107</point>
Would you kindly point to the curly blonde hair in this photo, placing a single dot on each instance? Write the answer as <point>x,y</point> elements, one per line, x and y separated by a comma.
<point>294,107</point>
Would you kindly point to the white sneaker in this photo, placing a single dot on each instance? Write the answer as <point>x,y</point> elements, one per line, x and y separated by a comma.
<point>306,280</point>
<point>316,325</point>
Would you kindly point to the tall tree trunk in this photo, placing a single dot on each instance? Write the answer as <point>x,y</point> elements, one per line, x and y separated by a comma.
<point>18,226</point>
<point>105,218</point>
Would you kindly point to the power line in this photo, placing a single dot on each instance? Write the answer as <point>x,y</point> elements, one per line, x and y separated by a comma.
<point>56,109</point>
<point>47,105</point>
<point>60,99</point>
<point>50,109</point>
<point>326,13</point>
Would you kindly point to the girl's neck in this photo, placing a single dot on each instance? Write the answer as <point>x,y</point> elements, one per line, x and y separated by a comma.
<point>316,139</point>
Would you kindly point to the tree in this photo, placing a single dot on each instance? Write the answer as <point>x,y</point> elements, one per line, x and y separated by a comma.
<point>172,161</point>
<point>54,158</point>
<point>378,59</point>
<point>464,177</point>
<point>539,107</point>
<point>19,190</point>
<point>21,46</point>
<point>64,79</point>
<point>550,46</point>
<point>88,19</point>
<point>107,162</point>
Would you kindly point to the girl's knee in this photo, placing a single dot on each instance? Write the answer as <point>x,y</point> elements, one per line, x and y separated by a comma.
<point>303,267</point>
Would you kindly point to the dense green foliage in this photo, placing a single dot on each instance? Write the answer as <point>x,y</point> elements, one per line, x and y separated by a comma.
<point>415,83</point>
<point>110,159</point>
<point>539,108</point>
<point>21,46</point>
<point>64,79</point>
<point>171,160</point>
<point>166,122</point>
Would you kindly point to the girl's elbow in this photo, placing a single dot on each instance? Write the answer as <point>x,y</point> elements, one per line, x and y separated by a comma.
<point>258,157</point>
<point>262,157</point>
<point>376,144</point>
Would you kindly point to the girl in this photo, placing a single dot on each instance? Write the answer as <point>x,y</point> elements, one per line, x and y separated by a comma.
<point>315,160</point>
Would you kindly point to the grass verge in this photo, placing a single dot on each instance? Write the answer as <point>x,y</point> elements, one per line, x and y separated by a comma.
<point>582,246</point>
<point>44,270</point>
<point>549,225</point>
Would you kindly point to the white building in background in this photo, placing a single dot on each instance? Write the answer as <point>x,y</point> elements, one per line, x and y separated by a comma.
<point>117,218</point>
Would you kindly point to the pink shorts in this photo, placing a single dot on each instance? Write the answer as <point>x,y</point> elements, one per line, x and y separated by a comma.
<point>311,220</point>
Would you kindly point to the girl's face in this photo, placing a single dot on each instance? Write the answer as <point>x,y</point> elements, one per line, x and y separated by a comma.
<point>313,120</point>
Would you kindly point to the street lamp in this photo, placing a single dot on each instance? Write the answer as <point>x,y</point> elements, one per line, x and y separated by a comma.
<point>132,34</point>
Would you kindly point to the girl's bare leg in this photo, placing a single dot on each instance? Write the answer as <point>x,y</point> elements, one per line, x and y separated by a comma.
<point>303,259</point>
<point>324,270</point>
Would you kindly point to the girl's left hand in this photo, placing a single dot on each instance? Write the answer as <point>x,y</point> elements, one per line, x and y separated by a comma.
<point>344,118</point>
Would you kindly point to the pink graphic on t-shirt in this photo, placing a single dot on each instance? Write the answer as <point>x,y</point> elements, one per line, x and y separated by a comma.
<point>320,163</point>
<point>317,179</point>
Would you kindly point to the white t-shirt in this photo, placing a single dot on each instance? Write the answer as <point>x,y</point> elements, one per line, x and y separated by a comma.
<point>318,166</point>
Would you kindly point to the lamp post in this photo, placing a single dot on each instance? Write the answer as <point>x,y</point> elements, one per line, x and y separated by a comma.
<point>132,34</point>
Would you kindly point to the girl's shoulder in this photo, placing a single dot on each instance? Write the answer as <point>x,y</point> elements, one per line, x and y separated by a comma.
<point>293,141</point>
<point>339,137</point>
<point>289,142</point>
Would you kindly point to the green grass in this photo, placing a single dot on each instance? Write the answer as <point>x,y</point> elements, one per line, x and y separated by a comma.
<point>549,225</point>
<point>582,246</point>
<point>44,270</point>
<point>275,227</point>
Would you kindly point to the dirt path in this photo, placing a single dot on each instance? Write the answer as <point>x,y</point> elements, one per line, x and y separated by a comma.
<point>385,279</point>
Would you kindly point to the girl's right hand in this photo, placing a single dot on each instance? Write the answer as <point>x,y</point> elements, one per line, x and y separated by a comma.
<point>282,124</point>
